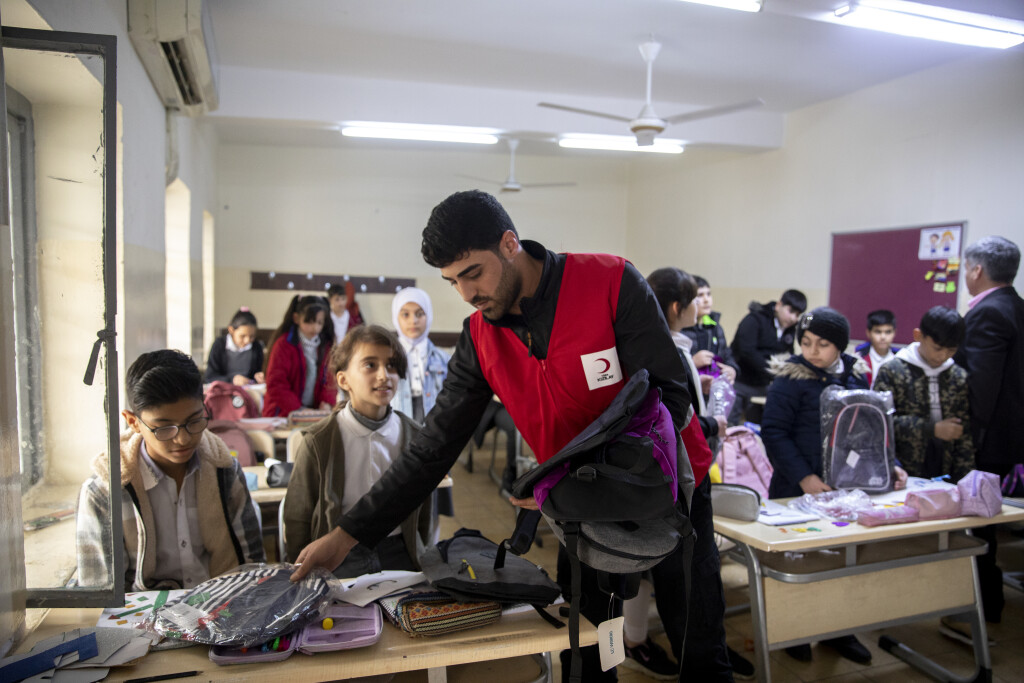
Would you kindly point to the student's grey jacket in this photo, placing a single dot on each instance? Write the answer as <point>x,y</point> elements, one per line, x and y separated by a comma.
<point>231,531</point>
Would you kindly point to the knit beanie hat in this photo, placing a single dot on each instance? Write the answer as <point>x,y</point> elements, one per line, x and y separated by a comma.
<point>827,323</point>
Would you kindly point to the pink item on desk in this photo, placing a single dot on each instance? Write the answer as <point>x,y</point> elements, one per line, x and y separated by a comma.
<point>935,503</point>
<point>980,495</point>
<point>893,515</point>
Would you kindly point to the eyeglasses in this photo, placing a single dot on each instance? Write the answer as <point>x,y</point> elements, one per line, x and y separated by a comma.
<point>194,426</point>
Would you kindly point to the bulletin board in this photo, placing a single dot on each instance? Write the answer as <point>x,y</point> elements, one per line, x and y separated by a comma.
<point>906,270</point>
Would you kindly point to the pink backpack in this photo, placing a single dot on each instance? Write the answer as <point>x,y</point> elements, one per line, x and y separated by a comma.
<point>743,460</point>
<point>225,401</point>
<point>235,438</point>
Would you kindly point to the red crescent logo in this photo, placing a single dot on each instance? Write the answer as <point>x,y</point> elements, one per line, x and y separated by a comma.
<point>606,364</point>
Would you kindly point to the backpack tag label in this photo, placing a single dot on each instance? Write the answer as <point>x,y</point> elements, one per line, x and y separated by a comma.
<point>852,459</point>
<point>601,368</point>
<point>610,643</point>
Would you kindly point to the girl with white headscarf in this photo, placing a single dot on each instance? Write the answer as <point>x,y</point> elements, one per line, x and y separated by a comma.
<point>412,315</point>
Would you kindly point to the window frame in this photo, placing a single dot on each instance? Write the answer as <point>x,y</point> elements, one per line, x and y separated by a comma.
<point>104,47</point>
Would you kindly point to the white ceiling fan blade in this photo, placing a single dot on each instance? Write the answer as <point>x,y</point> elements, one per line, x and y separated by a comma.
<point>567,184</point>
<point>587,112</point>
<point>715,111</point>
<point>478,178</point>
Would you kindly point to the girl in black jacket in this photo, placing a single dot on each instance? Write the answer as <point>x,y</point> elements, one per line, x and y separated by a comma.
<point>237,357</point>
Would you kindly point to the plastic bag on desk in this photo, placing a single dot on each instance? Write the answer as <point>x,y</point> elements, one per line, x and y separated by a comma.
<point>842,506</point>
<point>857,443</point>
<point>249,605</point>
<point>721,397</point>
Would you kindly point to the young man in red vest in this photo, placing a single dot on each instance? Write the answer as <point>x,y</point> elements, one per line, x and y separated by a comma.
<point>555,336</point>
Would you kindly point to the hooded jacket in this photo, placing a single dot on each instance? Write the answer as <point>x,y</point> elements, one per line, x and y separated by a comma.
<point>756,341</point>
<point>919,451</point>
<point>231,531</point>
<point>791,426</point>
<point>643,342</point>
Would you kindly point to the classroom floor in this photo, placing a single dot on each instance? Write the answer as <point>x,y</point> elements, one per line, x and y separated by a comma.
<point>479,506</point>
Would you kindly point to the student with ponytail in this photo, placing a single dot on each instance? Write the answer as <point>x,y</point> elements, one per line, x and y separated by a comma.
<point>237,357</point>
<point>297,374</point>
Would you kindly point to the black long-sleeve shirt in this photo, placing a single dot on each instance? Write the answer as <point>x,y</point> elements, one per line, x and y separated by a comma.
<point>642,340</point>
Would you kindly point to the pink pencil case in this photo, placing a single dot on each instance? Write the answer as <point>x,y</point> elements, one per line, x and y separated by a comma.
<point>353,627</point>
<point>882,516</point>
<point>935,503</point>
<point>980,495</point>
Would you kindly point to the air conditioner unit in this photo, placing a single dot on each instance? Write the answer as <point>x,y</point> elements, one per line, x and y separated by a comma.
<point>174,40</point>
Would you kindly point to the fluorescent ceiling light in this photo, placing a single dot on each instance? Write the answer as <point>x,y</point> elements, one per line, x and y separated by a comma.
<point>420,131</point>
<point>619,143</point>
<point>741,5</point>
<point>934,23</point>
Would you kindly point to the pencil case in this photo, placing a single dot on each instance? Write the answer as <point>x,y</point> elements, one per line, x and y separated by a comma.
<point>350,626</point>
<point>882,516</point>
<point>935,503</point>
<point>735,501</point>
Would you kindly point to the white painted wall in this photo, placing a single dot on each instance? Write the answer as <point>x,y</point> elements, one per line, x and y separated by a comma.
<point>361,211</point>
<point>942,145</point>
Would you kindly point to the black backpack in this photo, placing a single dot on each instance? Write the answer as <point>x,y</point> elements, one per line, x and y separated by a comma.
<point>470,567</point>
<point>614,508</point>
<point>857,443</point>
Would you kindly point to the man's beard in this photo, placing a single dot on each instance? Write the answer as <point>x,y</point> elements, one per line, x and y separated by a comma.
<point>505,296</point>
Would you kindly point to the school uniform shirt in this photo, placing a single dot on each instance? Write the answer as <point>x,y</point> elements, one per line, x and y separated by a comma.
<point>181,556</point>
<point>228,526</point>
<point>340,324</point>
<point>368,454</point>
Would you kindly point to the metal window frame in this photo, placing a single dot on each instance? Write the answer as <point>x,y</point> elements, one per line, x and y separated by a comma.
<point>105,47</point>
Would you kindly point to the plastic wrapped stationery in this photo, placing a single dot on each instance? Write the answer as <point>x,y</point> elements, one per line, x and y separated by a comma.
<point>342,627</point>
<point>251,605</point>
<point>980,495</point>
<point>857,444</point>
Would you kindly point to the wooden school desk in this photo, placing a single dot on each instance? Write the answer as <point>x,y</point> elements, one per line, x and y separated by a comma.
<point>853,578</point>
<point>514,635</point>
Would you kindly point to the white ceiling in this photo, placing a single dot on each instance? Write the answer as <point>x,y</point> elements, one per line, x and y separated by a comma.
<point>290,68</point>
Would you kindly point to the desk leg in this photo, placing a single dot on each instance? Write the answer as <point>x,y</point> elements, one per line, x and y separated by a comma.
<point>982,660</point>
<point>757,613</point>
<point>438,674</point>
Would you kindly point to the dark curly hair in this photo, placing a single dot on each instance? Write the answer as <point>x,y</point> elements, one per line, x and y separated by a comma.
<point>464,222</point>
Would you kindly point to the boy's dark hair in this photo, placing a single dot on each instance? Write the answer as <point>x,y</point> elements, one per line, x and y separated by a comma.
<point>671,285</point>
<point>998,257</point>
<point>463,222</point>
<point>341,354</point>
<point>944,325</point>
<point>161,377</point>
<point>882,316</point>
<point>701,282</point>
<point>307,307</point>
<point>242,317</point>
<point>795,299</point>
<point>336,290</point>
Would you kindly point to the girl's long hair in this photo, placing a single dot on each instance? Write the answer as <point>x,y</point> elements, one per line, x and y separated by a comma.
<point>307,307</point>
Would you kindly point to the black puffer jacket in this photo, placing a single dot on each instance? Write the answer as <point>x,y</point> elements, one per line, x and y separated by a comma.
<point>756,341</point>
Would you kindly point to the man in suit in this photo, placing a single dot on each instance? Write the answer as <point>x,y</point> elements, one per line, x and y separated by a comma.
<point>993,354</point>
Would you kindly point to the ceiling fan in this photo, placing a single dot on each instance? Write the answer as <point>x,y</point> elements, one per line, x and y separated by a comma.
<point>647,124</point>
<point>511,184</point>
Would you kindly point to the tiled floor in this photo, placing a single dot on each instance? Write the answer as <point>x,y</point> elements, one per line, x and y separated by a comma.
<point>479,506</point>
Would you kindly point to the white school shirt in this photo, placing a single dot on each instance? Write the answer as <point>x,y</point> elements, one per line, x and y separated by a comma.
<point>877,362</point>
<point>368,455</point>
<point>340,324</point>
<point>180,553</point>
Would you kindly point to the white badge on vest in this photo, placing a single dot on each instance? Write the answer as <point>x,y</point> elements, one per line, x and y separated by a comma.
<point>602,368</point>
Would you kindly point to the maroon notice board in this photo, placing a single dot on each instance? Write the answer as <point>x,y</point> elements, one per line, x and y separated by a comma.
<point>906,270</point>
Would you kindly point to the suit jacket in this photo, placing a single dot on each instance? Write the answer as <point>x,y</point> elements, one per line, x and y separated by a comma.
<point>993,354</point>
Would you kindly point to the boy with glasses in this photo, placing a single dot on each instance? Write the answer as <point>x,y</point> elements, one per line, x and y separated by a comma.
<point>185,506</point>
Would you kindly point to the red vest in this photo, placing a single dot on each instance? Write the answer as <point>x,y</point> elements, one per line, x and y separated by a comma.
<point>553,400</point>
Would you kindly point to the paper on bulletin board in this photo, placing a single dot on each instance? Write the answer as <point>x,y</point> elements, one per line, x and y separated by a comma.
<point>941,242</point>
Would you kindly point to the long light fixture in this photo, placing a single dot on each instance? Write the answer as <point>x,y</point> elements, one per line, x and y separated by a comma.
<point>420,131</point>
<point>741,5</point>
<point>934,23</point>
<point>618,143</point>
